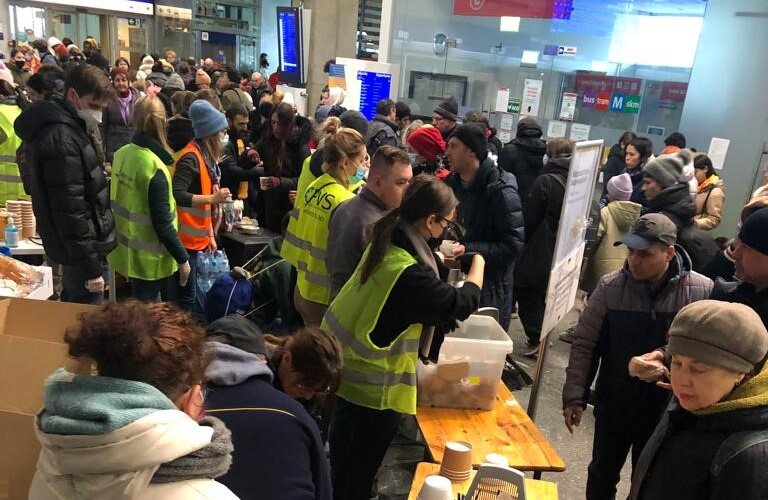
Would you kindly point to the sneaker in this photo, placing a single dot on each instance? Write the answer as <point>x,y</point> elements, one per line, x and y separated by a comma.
<point>533,350</point>
<point>568,336</point>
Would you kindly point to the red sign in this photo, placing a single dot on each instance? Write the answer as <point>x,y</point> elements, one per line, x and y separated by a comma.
<point>629,86</point>
<point>603,101</point>
<point>497,8</point>
<point>674,91</point>
<point>600,83</point>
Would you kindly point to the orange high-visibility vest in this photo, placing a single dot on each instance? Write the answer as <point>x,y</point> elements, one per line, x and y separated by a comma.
<point>195,222</point>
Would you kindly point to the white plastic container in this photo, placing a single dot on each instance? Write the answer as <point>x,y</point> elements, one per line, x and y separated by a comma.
<point>468,372</point>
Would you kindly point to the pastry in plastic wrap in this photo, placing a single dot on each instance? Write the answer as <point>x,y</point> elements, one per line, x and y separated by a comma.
<point>647,370</point>
<point>19,272</point>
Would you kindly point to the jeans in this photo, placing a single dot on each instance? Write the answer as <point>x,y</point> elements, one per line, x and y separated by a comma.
<point>73,287</point>
<point>359,439</point>
<point>147,291</point>
<point>614,436</point>
<point>186,297</point>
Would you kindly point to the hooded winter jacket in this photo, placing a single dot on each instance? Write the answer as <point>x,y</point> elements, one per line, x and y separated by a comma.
<point>106,438</point>
<point>616,219</point>
<point>625,318</point>
<point>523,156</point>
<point>278,451</point>
<point>675,202</point>
<point>70,192</point>
<point>680,460</point>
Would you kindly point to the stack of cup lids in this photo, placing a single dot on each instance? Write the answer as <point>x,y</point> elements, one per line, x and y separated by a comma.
<point>14,209</point>
<point>28,222</point>
<point>457,461</point>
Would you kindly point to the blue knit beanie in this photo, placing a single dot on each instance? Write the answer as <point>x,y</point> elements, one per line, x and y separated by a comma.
<point>206,120</point>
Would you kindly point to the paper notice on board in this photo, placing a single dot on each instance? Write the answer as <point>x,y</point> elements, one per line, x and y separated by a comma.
<point>718,148</point>
<point>531,97</point>
<point>556,129</point>
<point>502,99</point>
<point>505,136</point>
<point>580,132</point>
<point>507,122</point>
<point>568,106</point>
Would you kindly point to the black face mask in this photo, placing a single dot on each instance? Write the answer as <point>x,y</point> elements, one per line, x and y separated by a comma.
<point>265,109</point>
<point>452,231</point>
<point>20,64</point>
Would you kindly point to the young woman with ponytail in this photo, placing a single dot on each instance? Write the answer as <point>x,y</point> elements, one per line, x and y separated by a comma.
<point>394,309</point>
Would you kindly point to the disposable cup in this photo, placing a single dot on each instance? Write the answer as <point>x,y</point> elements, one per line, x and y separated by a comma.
<point>436,488</point>
<point>457,457</point>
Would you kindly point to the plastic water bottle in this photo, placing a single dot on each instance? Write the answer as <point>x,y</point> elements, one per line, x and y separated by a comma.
<point>11,233</point>
<point>203,263</point>
<point>224,262</point>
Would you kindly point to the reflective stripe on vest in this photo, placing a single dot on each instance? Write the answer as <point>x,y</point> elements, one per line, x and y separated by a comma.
<point>289,251</point>
<point>372,376</point>
<point>11,186</point>
<point>309,237</point>
<point>195,222</point>
<point>139,252</point>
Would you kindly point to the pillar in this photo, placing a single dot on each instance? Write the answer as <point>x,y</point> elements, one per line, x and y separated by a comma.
<point>5,28</point>
<point>333,32</point>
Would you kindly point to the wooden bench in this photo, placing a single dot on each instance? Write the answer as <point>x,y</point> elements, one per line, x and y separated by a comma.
<point>506,430</point>
<point>534,490</point>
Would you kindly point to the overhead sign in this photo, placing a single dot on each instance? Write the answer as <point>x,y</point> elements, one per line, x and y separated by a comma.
<point>565,50</point>
<point>560,9</point>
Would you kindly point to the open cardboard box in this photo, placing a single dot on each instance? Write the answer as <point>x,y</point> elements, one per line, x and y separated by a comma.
<point>31,348</point>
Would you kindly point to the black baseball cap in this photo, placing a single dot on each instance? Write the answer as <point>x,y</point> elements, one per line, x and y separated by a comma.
<point>648,230</point>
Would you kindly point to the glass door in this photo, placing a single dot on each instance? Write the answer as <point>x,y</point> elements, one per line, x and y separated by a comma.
<point>132,39</point>
<point>27,23</point>
<point>248,53</point>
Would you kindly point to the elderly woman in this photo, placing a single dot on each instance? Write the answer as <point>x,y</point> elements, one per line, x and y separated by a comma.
<point>134,426</point>
<point>713,440</point>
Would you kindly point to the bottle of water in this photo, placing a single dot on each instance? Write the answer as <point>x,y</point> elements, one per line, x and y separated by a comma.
<point>224,262</point>
<point>202,271</point>
<point>11,234</point>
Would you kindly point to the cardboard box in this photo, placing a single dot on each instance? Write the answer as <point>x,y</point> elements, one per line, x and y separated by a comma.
<point>31,348</point>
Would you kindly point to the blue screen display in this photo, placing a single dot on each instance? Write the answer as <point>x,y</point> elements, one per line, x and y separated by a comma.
<point>373,88</point>
<point>288,36</point>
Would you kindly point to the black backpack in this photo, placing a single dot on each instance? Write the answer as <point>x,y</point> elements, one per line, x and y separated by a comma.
<point>701,247</point>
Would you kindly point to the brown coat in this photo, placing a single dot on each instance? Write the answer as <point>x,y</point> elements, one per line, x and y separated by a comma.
<point>709,206</point>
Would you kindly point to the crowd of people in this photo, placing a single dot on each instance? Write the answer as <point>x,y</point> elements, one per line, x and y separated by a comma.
<point>183,398</point>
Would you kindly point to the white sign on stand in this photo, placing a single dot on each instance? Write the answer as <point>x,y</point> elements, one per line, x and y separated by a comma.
<point>569,248</point>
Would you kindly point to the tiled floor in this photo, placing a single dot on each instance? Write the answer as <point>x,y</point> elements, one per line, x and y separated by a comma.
<point>396,474</point>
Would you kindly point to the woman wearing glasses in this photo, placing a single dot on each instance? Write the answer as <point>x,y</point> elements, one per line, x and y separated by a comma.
<point>394,309</point>
<point>306,240</point>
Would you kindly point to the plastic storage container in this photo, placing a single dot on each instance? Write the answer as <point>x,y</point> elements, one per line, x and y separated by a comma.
<point>469,368</point>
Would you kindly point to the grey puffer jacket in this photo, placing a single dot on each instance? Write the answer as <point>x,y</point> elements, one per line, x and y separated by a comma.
<point>626,318</point>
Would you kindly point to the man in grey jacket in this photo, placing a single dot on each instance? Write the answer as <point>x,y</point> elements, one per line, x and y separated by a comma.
<point>627,315</point>
<point>388,177</point>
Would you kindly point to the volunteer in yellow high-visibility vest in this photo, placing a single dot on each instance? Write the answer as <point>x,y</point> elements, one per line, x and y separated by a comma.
<point>394,309</point>
<point>148,249</point>
<point>306,240</point>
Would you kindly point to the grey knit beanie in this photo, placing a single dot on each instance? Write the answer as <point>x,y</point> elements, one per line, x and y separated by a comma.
<point>667,170</point>
<point>723,334</point>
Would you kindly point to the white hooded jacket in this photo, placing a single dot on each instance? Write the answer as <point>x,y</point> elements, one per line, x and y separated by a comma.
<point>121,463</point>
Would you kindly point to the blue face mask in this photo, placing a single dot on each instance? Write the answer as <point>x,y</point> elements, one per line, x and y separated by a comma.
<point>412,157</point>
<point>359,175</point>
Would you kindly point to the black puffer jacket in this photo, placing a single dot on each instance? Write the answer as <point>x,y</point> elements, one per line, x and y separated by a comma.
<point>115,132</point>
<point>676,203</point>
<point>523,156</point>
<point>615,164</point>
<point>541,211</point>
<point>70,190</point>
<point>677,462</point>
<point>491,212</point>
<point>636,175</point>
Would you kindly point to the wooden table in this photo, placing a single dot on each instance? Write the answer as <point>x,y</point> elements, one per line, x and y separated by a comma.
<point>506,430</point>
<point>534,490</point>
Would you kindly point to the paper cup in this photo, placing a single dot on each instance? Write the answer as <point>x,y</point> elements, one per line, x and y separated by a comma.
<point>436,488</point>
<point>496,459</point>
<point>264,183</point>
<point>457,458</point>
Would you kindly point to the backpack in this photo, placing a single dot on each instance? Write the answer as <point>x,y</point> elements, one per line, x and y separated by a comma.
<point>735,444</point>
<point>700,246</point>
<point>385,135</point>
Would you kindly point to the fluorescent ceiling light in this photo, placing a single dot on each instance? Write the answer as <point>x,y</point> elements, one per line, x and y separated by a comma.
<point>508,23</point>
<point>655,40</point>
<point>530,57</point>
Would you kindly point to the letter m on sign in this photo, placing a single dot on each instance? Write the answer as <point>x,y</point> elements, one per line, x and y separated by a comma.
<point>617,102</point>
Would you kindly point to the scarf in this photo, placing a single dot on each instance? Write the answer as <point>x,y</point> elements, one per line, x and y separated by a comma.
<point>93,405</point>
<point>209,462</point>
<point>712,180</point>
<point>126,108</point>
<point>751,394</point>
<point>426,257</point>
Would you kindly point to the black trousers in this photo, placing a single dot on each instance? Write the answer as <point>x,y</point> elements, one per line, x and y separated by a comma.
<point>359,440</point>
<point>531,303</point>
<point>615,435</point>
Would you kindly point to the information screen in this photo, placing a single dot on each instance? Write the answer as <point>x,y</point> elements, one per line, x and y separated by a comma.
<point>373,88</point>
<point>289,39</point>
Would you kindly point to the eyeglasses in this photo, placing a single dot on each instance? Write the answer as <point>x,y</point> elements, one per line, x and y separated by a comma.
<point>452,228</point>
